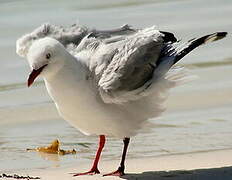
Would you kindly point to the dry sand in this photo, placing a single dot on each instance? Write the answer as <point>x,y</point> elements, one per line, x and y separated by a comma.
<point>213,165</point>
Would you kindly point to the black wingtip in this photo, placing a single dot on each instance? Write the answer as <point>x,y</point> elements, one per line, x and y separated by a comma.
<point>197,42</point>
<point>215,36</point>
<point>168,37</point>
<point>222,34</point>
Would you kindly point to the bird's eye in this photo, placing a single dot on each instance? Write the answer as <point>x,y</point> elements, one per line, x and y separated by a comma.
<point>48,55</point>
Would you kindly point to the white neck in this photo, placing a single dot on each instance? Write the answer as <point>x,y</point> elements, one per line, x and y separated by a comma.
<point>71,73</point>
<point>69,85</point>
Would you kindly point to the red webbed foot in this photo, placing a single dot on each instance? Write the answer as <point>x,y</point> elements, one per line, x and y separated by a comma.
<point>91,172</point>
<point>119,172</point>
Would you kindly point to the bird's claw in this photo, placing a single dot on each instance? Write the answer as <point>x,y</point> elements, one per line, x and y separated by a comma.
<point>119,172</point>
<point>91,172</point>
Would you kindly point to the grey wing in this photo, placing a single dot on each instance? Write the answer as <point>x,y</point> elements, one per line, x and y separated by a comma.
<point>121,31</point>
<point>65,35</point>
<point>68,36</point>
<point>131,67</point>
<point>94,38</point>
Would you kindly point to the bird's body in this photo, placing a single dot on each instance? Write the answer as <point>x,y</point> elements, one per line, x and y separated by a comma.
<point>93,97</point>
<point>111,83</point>
<point>79,104</point>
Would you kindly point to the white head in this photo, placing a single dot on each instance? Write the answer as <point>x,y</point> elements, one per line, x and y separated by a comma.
<point>45,57</point>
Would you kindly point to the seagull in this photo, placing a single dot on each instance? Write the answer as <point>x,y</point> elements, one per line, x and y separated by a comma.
<point>66,35</point>
<point>110,83</point>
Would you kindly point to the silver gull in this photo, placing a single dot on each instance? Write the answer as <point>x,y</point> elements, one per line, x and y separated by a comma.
<point>110,85</point>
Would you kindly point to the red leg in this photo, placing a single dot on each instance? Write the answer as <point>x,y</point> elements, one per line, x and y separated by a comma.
<point>120,170</point>
<point>94,169</point>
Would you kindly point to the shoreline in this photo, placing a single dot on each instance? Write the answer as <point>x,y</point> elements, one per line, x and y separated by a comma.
<point>13,100</point>
<point>190,66</point>
<point>201,165</point>
<point>200,121</point>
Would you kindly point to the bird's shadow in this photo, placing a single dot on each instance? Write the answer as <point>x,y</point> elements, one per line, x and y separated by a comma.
<point>224,173</point>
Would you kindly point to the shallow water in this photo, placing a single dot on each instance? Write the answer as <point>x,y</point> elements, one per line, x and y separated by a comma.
<point>175,134</point>
<point>199,116</point>
<point>198,119</point>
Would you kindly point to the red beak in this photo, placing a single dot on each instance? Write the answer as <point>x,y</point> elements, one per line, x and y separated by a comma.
<point>34,75</point>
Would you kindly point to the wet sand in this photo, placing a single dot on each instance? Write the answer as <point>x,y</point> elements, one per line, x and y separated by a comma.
<point>212,165</point>
<point>198,118</point>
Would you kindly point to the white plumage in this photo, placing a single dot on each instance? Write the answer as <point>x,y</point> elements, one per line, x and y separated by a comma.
<point>108,82</point>
<point>87,87</point>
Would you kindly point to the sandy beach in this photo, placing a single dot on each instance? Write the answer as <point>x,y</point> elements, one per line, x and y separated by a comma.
<point>190,135</point>
<point>213,165</point>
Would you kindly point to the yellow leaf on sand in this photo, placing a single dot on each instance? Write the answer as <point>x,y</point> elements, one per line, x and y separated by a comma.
<point>54,148</point>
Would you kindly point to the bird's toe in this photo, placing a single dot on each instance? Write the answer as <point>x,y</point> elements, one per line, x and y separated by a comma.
<point>119,172</point>
<point>91,172</point>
